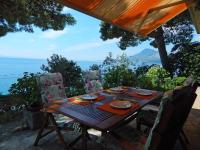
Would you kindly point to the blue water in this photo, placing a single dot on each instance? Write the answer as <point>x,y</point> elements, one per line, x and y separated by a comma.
<point>13,68</point>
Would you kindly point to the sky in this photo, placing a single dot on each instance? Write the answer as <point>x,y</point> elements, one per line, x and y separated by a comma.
<point>79,42</point>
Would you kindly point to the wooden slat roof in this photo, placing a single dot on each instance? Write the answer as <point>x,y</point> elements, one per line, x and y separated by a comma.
<point>139,16</point>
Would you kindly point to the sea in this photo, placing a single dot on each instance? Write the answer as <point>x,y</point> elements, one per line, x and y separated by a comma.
<point>13,68</point>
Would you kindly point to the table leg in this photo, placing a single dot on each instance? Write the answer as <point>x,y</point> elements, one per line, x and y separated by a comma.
<point>104,143</point>
<point>58,131</point>
<point>39,136</point>
<point>84,137</point>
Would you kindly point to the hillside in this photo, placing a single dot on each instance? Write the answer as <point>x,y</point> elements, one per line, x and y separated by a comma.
<point>145,57</point>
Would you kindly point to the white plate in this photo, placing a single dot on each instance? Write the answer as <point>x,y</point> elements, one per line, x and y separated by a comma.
<point>117,89</point>
<point>88,97</point>
<point>119,104</point>
<point>144,93</point>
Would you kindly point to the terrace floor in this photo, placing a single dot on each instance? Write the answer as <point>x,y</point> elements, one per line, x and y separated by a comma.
<point>12,137</point>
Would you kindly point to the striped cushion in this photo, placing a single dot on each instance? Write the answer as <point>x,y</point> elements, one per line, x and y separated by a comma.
<point>167,119</point>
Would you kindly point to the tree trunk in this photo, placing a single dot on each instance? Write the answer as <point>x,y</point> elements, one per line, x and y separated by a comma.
<point>160,42</point>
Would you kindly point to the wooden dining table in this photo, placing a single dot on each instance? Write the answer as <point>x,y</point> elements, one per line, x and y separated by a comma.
<point>90,116</point>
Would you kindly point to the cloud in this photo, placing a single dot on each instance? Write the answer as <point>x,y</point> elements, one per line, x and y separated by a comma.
<point>196,37</point>
<point>31,40</point>
<point>66,10</point>
<point>51,34</point>
<point>52,47</point>
<point>89,45</point>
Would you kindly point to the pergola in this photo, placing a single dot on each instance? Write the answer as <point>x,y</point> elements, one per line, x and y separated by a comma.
<point>138,16</point>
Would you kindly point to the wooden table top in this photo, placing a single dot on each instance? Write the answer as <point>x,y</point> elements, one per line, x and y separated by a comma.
<point>98,119</point>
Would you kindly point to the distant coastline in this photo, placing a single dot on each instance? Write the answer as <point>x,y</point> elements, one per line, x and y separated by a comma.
<point>13,68</point>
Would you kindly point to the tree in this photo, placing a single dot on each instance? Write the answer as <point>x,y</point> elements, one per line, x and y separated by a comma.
<point>72,74</point>
<point>118,76</point>
<point>175,31</point>
<point>23,15</point>
<point>108,63</point>
<point>185,59</point>
<point>117,71</point>
<point>94,67</point>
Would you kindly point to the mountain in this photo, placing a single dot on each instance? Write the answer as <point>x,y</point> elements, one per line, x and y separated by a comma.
<point>145,57</point>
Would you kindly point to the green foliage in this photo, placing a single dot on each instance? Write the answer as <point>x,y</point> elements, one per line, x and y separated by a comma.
<point>144,82</point>
<point>122,60</point>
<point>108,63</point>
<point>142,70</point>
<point>71,72</point>
<point>185,59</point>
<point>172,83</point>
<point>157,76</point>
<point>159,79</point>
<point>23,15</point>
<point>94,67</point>
<point>117,72</point>
<point>119,76</point>
<point>25,91</point>
<point>182,26</point>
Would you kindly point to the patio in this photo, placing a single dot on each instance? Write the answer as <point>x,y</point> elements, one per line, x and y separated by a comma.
<point>13,137</point>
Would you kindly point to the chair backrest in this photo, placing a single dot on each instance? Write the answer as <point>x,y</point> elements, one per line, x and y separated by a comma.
<point>92,81</point>
<point>174,109</point>
<point>51,87</point>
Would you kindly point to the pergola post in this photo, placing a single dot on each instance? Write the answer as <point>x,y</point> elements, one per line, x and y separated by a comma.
<point>195,13</point>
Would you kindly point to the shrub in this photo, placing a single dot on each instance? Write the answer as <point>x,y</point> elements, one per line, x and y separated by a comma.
<point>94,67</point>
<point>25,91</point>
<point>142,70</point>
<point>71,72</point>
<point>157,76</point>
<point>118,76</point>
<point>172,83</point>
<point>144,82</point>
<point>159,79</point>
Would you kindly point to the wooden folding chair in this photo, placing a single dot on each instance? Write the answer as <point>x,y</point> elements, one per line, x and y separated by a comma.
<point>147,117</point>
<point>53,94</point>
<point>173,112</point>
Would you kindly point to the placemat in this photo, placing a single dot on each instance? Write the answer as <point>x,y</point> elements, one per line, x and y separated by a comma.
<point>143,97</point>
<point>107,107</point>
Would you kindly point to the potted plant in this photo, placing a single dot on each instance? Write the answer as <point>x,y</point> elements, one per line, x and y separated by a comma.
<point>26,97</point>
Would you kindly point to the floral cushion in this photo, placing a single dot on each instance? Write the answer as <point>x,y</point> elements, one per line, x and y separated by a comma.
<point>92,81</point>
<point>91,75</point>
<point>49,79</point>
<point>55,92</point>
<point>93,86</point>
<point>51,87</point>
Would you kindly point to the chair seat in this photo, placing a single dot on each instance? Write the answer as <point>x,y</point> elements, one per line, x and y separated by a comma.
<point>147,117</point>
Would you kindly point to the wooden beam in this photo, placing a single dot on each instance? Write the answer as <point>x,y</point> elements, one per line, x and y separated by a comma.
<point>144,17</point>
<point>167,5</point>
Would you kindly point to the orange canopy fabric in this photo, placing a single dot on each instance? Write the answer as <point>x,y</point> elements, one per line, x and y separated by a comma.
<point>139,16</point>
